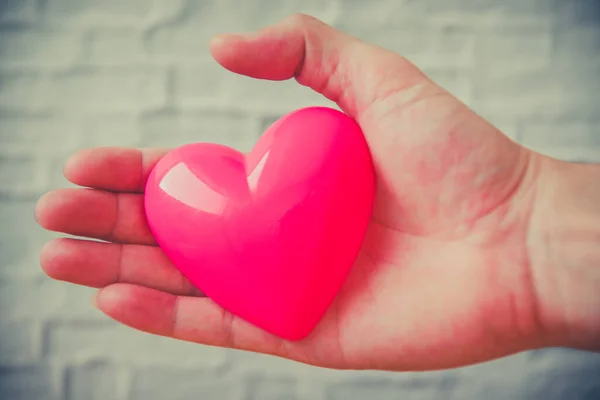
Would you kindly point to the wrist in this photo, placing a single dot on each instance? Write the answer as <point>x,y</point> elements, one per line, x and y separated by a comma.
<point>564,247</point>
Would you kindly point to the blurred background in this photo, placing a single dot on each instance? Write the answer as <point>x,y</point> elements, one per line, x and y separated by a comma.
<point>80,73</point>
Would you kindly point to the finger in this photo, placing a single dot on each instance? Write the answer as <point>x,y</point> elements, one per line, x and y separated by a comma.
<point>348,71</point>
<point>116,169</point>
<point>97,264</point>
<point>194,319</point>
<point>115,217</point>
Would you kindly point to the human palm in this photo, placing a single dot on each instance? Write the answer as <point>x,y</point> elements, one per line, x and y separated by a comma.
<point>442,279</point>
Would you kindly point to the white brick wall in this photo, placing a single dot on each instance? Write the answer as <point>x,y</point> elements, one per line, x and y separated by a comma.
<point>79,73</point>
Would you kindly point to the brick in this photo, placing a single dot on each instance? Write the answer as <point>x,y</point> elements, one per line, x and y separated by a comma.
<point>106,11</point>
<point>180,383</point>
<point>577,12</point>
<point>479,14</point>
<point>32,136</point>
<point>312,388</point>
<point>477,7</point>
<point>201,84</point>
<point>536,93</point>
<point>574,44</point>
<point>482,8</point>
<point>19,241</point>
<point>170,12</point>
<point>20,258</point>
<point>490,389</point>
<point>389,387</point>
<point>425,47</point>
<point>275,368</point>
<point>53,174</point>
<point>383,13</point>
<point>18,217</point>
<point>30,299</point>
<point>109,89</point>
<point>507,49</point>
<point>18,10</point>
<point>92,381</point>
<point>260,96</point>
<point>17,173</point>
<point>13,254</point>
<point>554,361</point>
<point>560,134</point>
<point>502,22</point>
<point>544,8</point>
<point>578,40</point>
<point>170,129</point>
<point>494,380</point>
<point>184,43</point>
<point>569,105</point>
<point>582,385</point>
<point>24,91</point>
<point>20,342</point>
<point>77,304</point>
<point>115,46</point>
<point>259,388</point>
<point>251,16</point>
<point>543,374</point>
<point>188,39</point>
<point>39,47</point>
<point>110,129</point>
<point>37,134</point>
<point>209,84</point>
<point>88,340</point>
<point>26,383</point>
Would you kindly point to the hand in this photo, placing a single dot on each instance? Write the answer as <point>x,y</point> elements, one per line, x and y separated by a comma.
<point>444,278</point>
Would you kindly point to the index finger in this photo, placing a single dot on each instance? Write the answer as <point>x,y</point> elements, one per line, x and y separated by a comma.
<point>116,169</point>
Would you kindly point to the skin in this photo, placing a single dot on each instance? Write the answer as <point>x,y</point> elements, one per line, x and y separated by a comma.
<point>464,260</point>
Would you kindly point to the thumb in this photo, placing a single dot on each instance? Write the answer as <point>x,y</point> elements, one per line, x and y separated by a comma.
<point>432,158</point>
<point>344,69</point>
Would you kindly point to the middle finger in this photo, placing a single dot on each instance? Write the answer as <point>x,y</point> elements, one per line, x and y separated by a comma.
<point>96,214</point>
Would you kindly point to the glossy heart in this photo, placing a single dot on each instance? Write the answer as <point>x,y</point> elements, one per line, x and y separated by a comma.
<point>271,235</point>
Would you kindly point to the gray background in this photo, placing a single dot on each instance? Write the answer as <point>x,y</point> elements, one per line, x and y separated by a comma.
<point>79,73</point>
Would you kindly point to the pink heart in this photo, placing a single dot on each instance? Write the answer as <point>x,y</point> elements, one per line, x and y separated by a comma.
<point>272,235</point>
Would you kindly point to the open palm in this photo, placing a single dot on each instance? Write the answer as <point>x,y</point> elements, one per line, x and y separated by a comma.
<point>442,279</point>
